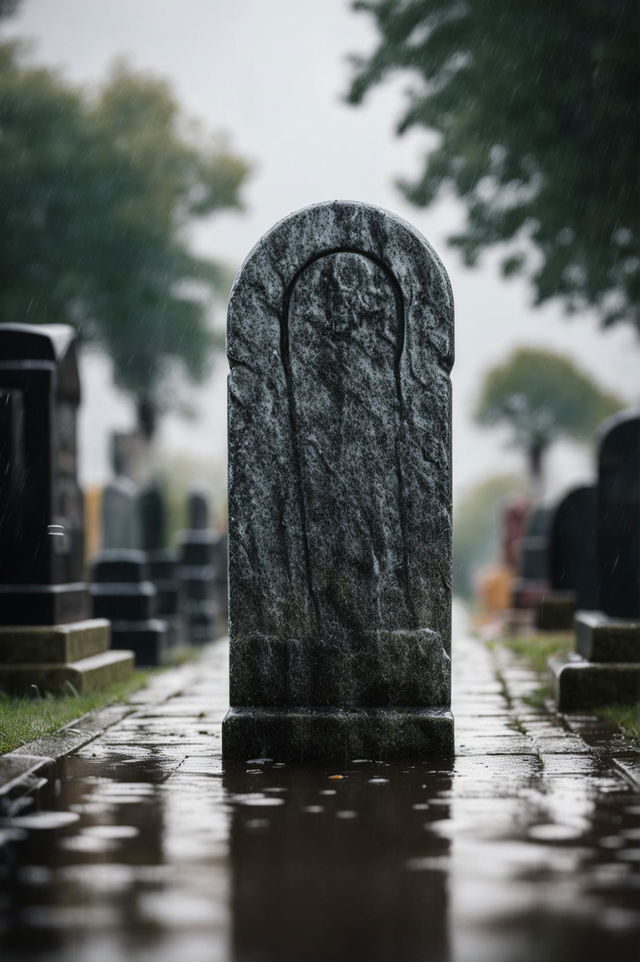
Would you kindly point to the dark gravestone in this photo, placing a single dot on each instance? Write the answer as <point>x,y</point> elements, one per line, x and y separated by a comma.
<point>619,518</point>
<point>607,667</point>
<point>120,522</point>
<point>162,561</point>
<point>196,571</point>
<point>572,560</point>
<point>533,565</point>
<point>45,638</point>
<point>152,512</point>
<point>41,515</point>
<point>122,591</point>
<point>340,343</point>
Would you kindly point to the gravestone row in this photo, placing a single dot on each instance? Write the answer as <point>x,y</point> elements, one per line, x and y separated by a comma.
<point>605,668</point>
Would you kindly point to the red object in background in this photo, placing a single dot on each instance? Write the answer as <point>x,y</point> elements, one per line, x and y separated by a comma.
<point>514,519</point>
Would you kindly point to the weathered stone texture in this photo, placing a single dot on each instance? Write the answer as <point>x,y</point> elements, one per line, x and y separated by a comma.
<point>340,343</point>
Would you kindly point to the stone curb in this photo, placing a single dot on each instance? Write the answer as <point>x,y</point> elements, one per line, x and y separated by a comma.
<point>28,768</point>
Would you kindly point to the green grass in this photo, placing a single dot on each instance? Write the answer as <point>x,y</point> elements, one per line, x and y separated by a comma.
<point>23,719</point>
<point>625,717</point>
<point>537,648</point>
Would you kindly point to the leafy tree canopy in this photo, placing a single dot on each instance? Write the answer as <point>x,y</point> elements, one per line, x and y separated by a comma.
<point>96,194</point>
<point>541,397</point>
<point>537,111</point>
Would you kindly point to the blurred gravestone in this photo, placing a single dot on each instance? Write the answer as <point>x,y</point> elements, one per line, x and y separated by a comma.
<point>340,342</point>
<point>197,547</point>
<point>572,560</point>
<point>162,561</point>
<point>45,638</point>
<point>607,670</point>
<point>120,524</point>
<point>122,591</point>
<point>532,581</point>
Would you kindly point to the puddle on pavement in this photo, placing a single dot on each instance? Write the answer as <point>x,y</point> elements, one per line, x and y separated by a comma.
<point>142,858</point>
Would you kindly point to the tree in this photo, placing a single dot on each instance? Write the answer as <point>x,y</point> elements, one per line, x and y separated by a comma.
<point>96,195</point>
<point>538,120</point>
<point>542,397</point>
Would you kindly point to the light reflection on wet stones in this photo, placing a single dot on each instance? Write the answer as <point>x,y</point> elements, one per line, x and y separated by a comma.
<point>171,857</point>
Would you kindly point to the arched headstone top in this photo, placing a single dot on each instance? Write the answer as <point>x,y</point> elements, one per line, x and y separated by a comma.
<point>271,270</point>
<point>614,432</point>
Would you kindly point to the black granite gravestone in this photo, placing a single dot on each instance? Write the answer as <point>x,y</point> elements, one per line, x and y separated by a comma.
<point>619,517</point>
<point>163,562</point>
<point>606,669</point>
<point>340,343</point>
<point>196,571</point>
<point>122,591</point>
<point>572,560</point>
<point>41,561</point>
<point>532,581</point>
<point>45,638</point>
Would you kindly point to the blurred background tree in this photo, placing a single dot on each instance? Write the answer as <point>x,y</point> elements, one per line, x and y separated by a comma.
<point>536,109</point>
<point>542,397</point>
<point>96,195</point>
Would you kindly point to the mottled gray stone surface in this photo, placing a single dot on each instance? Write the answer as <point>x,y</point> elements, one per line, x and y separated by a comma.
<point>340,344</point>
<point>120,522</point>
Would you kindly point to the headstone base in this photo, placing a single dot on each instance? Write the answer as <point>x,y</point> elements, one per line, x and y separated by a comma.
<point>29,644</point>
<point>555,611</point>
<point>55,657</point>
<point>148,640</point>
<point>582,685</point>
<point>336,735</point>
<point>44,604</point>
<point>600,638</point>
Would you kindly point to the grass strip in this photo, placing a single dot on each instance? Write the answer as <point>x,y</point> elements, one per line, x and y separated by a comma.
<point>24,718</point>
<point>536,649</point>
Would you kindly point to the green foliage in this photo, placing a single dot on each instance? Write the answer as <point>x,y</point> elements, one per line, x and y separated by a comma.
<point>96,194</point>
<point>537,649</point>
<point>476,527</point>
<point>625,717</point>
<point>542,396</point>
<point>536,108</point>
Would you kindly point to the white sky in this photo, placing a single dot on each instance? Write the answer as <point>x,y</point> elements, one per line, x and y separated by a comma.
<point>271,73</point>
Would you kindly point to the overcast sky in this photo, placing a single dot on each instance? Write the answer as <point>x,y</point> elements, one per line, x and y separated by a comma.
<point>272,73</point>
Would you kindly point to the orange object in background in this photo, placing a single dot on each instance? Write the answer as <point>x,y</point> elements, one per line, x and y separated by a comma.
<point>92,521</point>
<point>494,588</point>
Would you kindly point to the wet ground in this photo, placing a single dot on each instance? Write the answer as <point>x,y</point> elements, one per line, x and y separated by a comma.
<point>527,847</point>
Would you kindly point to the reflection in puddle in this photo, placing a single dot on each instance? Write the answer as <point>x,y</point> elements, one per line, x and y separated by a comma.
<point>489,861</point>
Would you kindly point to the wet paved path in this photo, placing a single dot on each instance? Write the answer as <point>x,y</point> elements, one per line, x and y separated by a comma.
<point>526,848</point>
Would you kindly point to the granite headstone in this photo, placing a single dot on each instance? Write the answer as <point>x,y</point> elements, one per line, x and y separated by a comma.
<point>196,571</point>
<point>606,668</point>
<point>46,636</point>
<point>120,522</point>
<point>571,560</point>
<point>340,344</point>
<point>163,562</point>
<point>41,514</point>
<point>619,517</point>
